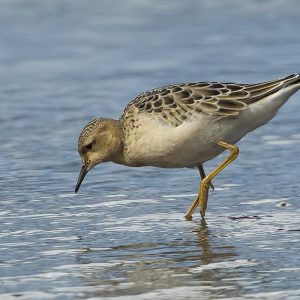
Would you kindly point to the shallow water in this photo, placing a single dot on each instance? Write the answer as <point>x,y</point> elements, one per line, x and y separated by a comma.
<point>66,62</point>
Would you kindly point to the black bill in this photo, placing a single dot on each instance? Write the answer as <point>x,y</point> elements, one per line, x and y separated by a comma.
<point>81,176</point>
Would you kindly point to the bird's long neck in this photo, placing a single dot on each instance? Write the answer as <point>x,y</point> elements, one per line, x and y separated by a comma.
<point>118,155</point>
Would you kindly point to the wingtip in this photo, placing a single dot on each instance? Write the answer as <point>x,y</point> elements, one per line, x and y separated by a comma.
<point>292,79</point>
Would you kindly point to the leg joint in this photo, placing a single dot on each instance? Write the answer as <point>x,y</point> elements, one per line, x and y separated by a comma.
<point>232,148</point>
<point>205,181</point>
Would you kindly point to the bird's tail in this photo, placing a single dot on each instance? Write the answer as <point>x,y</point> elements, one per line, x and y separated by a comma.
<point>278,92</point>
<point>292,80</point>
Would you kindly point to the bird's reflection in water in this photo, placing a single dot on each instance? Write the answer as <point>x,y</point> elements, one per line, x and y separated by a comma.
<point>204,243</point>
<point>143,267</point>
<point>211,246</point>
<point>213,251</point>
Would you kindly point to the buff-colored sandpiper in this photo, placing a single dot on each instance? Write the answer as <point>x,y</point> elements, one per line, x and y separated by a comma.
<point>184,125</point>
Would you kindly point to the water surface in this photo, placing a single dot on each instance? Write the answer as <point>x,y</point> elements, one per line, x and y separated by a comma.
<point>123,236</point>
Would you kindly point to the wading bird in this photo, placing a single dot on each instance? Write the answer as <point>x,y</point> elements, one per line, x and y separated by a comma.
<point>183,126</point>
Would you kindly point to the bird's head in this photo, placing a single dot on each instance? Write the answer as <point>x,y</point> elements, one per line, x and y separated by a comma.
<point>100,141</point>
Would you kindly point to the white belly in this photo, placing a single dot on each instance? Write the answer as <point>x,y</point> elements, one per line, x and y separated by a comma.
<point>195,141</point>
<point>159,145</point>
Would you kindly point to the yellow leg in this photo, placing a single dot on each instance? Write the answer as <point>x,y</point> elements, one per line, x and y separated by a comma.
<point>202,198</point>
<point>188,216</point>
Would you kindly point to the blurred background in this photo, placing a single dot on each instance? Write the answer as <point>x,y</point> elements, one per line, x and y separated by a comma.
<point>66,62</point>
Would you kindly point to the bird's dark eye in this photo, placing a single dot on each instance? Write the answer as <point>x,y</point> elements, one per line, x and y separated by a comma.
<point>89,146</point>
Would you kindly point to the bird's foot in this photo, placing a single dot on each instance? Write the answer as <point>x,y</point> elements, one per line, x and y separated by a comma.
<point>188,217</point>
<point>202,213</point>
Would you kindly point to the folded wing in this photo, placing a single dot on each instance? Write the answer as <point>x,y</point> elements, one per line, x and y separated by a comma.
<point>174,104</point>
